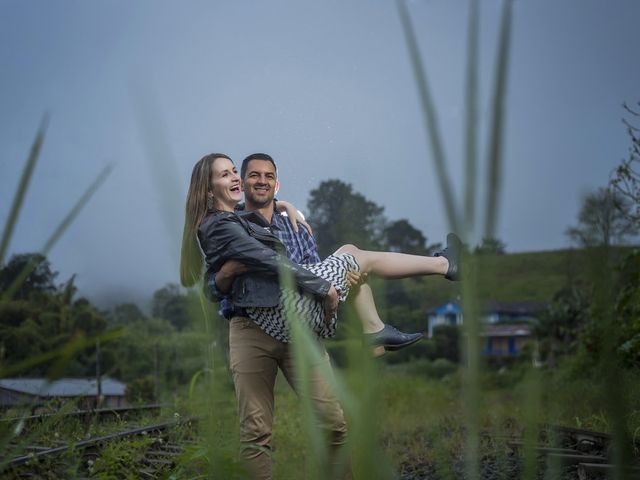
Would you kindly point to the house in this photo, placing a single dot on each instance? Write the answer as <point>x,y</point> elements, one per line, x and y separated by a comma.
<point>507,325</point>
<point>505,340</point>
<point>513,312</point>
<point>20,391</point>
<point>446,314</point>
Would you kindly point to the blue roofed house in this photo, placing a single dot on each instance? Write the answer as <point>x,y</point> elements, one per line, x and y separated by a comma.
<point>14,391</point>
<point>446,314</point>
<point>507,326</point>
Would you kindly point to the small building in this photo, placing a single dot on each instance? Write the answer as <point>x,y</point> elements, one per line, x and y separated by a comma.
<point>446,314</point>
<point>507,325</point>
<point>513,312</point>
<point>36,391</point>
<point>505,340</point>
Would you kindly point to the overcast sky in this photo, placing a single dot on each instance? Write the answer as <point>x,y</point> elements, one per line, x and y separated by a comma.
<point>325,87</point>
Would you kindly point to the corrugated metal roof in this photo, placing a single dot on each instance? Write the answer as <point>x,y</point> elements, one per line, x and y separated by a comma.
<point>506,330</point>
<point>64,387</point>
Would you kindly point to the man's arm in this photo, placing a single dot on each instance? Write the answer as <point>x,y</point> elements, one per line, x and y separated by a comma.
<point>223,278</point>
<point>228,240</point>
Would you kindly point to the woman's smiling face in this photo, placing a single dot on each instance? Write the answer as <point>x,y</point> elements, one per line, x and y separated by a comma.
<point>225,184</point>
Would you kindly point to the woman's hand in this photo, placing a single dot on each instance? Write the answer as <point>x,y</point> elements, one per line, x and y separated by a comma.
<point>330,304</point>
<point>229,270</point>
<point>356,278</point>
<point>294,215</point>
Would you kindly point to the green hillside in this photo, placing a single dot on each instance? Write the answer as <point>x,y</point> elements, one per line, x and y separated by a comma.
<point>507,277</point>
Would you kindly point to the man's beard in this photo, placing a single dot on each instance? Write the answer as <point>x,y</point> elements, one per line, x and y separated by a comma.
<point>254,202</point>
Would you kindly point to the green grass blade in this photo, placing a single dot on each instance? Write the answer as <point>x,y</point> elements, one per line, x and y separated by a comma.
<point>57,233</point>
<point>430,117</point>
<point>494,160</point>
<point>74,345</point>
<point>163,169</point>
<point>471,120</point>
<point>18,199</point>
<point>472,399</point>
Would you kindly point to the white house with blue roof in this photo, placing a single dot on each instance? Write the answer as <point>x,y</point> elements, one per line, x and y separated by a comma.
<point>446,314</point>
<point>507,326</point>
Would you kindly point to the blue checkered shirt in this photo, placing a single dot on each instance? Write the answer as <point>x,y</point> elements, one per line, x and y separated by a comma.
<point>301,249</point>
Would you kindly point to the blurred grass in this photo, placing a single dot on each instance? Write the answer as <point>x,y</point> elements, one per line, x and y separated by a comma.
<point>419,418</point>
<point>462,220</point>
<point>60,357</point>
<point>23,185</point>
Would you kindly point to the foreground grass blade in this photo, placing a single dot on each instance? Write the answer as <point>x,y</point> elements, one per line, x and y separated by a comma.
<point>471,119</point>
<point>494,159</point>
<point>18,199</point>
<point>430,117</point>
<point>163,169</point>
<point>74,345</point>
<point>57,233</point>
<point>470,345</point>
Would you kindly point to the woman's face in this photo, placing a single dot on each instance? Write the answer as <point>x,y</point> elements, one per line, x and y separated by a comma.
<point>225,184</point>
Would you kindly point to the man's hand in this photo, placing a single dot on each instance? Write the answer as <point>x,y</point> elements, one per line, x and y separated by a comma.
<point>330,304</point>
<point>355,279</point>
<point>295,217</point>
<point>226,274</point>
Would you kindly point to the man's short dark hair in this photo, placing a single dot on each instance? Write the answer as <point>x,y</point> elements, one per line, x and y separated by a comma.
<point>256,156</point>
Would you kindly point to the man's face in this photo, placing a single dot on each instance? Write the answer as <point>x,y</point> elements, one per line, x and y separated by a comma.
<point>260,183</point>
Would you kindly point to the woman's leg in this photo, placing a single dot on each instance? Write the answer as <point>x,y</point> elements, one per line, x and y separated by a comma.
<point>365,307</point>
<point>396,265</point>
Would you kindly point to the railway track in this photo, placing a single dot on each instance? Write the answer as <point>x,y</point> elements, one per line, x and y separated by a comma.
<point>560,452</point>
<point>151,449</point>
<point>585,453</point>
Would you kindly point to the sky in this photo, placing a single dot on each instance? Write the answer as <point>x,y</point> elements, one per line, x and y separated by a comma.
<point>325,87</point>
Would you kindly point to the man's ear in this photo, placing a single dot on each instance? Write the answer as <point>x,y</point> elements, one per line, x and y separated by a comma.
<point>242,185</point>
<point>277,187</point>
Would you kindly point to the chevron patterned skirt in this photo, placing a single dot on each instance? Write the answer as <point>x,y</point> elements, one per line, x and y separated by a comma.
<point>305,307</point>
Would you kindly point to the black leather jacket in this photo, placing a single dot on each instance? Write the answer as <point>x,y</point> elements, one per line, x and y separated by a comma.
<point>246,236</point>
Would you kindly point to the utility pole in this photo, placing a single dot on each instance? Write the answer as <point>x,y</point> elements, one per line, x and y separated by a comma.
<point>98,380</point>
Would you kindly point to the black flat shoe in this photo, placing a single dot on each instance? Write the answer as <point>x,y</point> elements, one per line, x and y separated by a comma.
<point>452,253</point>
<point>391,338</point>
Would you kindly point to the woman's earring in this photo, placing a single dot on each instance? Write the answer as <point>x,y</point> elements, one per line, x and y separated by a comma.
<point>210,201</point>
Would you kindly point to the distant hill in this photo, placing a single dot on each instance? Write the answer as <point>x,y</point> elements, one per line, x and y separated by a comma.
<point>514,276</point>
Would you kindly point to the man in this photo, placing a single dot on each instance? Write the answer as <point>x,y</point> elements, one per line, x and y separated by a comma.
<point>255,356</point>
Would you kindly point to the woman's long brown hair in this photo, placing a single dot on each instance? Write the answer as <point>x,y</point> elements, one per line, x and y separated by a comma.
<point>196,208</point>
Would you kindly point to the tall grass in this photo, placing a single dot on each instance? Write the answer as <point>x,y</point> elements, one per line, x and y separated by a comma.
<point>463,220</point>
<point>60,357</point>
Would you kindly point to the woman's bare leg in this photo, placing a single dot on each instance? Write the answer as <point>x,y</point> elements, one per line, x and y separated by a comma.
<point>396,265</point>
<point>365,307</point>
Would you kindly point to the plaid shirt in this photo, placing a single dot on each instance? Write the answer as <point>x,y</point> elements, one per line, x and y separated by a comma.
<point>301,248</point>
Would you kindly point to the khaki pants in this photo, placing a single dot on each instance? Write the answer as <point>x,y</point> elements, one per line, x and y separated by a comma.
<point>255,358</point>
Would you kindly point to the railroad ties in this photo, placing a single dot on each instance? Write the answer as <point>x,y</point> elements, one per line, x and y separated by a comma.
<point>584,451</point>
<point>160,454</point>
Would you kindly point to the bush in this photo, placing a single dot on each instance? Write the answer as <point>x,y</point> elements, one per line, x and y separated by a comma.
<point>436,369</point>
<point>141,390</point>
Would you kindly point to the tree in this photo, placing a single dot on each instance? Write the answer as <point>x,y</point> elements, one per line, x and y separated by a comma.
<point>627,311</point>
<point>626,177</point>
<point>339,215</point>
<point>41,277</point>
<point>604,219</point>
<point>126,313</point>
<point>401,236</point>
<point>491,245</point>
<point>559,328</point>
<point>170,304</point>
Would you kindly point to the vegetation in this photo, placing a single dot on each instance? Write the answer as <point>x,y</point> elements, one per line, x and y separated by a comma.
<point>425,416</point>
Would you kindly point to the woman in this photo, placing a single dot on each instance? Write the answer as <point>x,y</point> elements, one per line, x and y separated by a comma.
<point>225,235</point>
